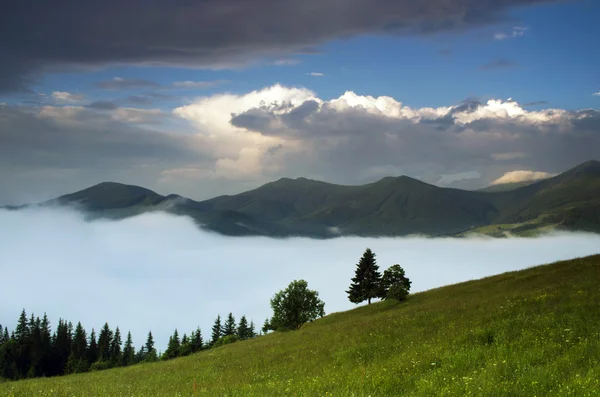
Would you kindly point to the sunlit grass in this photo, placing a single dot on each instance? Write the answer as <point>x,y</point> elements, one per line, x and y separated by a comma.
<point>529,333</point>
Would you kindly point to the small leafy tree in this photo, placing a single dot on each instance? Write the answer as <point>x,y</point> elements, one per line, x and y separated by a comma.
<point>366,283</point>
<point>295,306</point>
<point>395,283</point>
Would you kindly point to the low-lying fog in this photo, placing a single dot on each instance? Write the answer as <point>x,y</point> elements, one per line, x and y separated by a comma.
<point>160,272</point>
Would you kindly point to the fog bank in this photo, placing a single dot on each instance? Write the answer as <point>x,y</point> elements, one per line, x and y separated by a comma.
<point>160,272</point>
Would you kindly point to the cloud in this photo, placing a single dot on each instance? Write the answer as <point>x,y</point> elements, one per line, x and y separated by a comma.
<point>522,176</point>
<point>508,156</point>
<point>103,105</point>
<point>447,179</point>
<point>226,143</point>
<point>119,83</point>
<point>135,258</point>
<point>51,150</point>
<point>63,96</point>
<point>498,64</point>
<point>200,85</point>
<point>597,93</point>
<point>517,31</point>
<point>73,34</point>
<point>316,74</point>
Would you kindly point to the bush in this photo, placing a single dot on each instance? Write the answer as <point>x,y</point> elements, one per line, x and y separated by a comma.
<point>225,340</point>
<point>396,292</point>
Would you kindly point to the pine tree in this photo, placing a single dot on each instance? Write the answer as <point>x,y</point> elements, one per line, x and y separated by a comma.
<point>3,340</point>
<point>185,349</point>
<point>151,354</point>
<point>243,329</point>
<point>22,330</point>
<point>252,331</point>
<point>366,283</point>
<point>62,347</point>
<point>229,328</point>
<point>266,326</point>
<point>104,343</point>
<point>77,361</point>
<point>128,353</point>
<point>196,341</point>
<point>217,331</point>
<point>92,351</point>
<point>173,347</point>
<point>45,346</point>
<point>115,347</point>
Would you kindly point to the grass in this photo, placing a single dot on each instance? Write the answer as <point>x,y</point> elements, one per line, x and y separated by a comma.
<point>534,332</point>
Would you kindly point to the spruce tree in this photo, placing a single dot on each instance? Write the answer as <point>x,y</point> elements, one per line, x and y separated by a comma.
<point>366,283</point>
<point>266,326</point>
<point>115,347</point>
<point>128,351</point>
<point>217,331</point>
<point>173,347</point>
<point>252,331</point>
<point>243,329</point>
<point>229,328</point>
<point>77,361</point>
<point>104,343</point>
<point>151,354</point>
<point>92,352</point>
<point>22,330</point>
<point>185,349</point>
<point>196,341</point>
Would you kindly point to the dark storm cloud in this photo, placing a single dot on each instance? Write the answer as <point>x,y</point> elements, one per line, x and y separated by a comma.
<point>77,137</point>
<point>39,36</point>
<point>498,64</point>
<point>119,83</point>
<point>102,105</point>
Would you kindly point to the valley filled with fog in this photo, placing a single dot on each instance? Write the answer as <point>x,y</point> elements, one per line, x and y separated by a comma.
<point>160,272</point>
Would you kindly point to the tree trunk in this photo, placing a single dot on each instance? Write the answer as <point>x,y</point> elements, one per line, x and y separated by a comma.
<point>369,300</point>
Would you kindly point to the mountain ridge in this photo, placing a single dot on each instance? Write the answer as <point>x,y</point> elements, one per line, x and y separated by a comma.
<point>391,206</point>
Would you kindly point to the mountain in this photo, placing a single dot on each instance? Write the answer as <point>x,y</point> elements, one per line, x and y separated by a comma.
<point>503,187</point>
<point>392,206</point>
<point>527,333</point>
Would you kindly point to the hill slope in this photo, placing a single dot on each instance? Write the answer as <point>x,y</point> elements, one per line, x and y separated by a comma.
<point>392,206</point>
<point>532,332</point>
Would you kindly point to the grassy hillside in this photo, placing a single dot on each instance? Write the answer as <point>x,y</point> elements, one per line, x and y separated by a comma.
<point>526,333</point>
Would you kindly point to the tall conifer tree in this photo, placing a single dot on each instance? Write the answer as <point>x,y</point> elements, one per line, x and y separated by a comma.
<point>366,283</point>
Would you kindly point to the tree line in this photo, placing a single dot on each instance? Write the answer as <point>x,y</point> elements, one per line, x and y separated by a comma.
<point>34,350</point>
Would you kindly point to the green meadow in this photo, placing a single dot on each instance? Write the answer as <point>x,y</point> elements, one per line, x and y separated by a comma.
<point>534,332</point>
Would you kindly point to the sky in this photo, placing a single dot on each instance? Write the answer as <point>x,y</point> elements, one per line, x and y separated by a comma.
<point>221,96</point>
<point>157,272</point>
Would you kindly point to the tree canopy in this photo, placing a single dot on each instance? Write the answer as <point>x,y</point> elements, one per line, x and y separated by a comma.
<point>294,306</point>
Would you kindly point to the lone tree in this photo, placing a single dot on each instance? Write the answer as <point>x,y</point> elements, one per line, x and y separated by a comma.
<point>295,306</point>
<point>366,283</point>
<point>395,283</point>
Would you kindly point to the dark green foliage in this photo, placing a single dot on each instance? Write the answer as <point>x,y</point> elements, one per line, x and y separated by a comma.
<point>93,352</point>
<point>115,348</point>
<point>196,341</point>
<point>150,352</point>
<point>395,283</point>
<point>229,328</point>
<point>366,283</point>
<point>128,351</point>
<point>104,343</point>
<point>225,340</point>
<point>217,330</point>
<point>294,306</point>
<point>243,329</point>
<point>173,347</point>
<point>266,326</point>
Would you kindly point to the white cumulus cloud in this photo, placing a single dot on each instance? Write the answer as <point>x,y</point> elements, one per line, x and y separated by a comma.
<point>522,176</point>
<point>63,96</point>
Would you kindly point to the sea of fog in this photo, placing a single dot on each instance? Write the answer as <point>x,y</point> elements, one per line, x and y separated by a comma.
<point>160,272</point>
